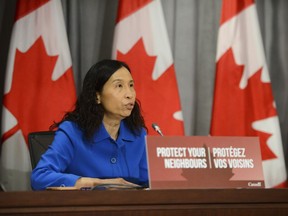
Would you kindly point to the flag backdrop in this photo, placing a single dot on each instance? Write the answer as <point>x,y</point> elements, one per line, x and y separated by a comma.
<point>141,40</point>
<point>243,101</point>
<point>39,85</point>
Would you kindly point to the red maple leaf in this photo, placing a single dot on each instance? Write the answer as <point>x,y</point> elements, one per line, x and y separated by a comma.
<point>159,98</point>
<point>236,109</point>
<point>35,99</point>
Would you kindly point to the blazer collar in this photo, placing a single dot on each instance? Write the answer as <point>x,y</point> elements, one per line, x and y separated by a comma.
<point>125,133</point>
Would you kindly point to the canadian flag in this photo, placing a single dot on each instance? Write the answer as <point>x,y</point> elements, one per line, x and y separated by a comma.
<point>39,85</point>
<point>141,40</point>
<point>243,100</point>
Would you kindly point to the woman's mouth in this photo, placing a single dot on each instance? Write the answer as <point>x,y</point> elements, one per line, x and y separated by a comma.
<point>129,106</point>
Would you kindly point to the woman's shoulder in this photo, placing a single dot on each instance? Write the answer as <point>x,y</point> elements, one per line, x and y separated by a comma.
<point>70,126</point>
<point>135,134</point>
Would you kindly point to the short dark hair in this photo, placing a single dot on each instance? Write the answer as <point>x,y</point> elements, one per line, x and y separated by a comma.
<point>87,113</point>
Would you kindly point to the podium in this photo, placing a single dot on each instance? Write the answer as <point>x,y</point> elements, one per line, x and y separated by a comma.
<point>147,202</point>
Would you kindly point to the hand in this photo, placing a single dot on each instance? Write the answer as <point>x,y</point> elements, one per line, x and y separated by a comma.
<point>92,182</point>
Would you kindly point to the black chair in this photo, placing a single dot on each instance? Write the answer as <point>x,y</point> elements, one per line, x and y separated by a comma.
<point>38,144</point>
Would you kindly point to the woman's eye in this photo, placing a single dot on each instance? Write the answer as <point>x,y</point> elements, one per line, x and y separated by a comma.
<point>119,85</point>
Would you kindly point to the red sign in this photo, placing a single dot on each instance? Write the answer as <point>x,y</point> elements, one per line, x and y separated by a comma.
<point>176,162</point>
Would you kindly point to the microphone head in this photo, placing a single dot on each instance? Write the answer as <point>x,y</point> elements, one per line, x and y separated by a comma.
<point>154,126</point>
<point>157,128</point>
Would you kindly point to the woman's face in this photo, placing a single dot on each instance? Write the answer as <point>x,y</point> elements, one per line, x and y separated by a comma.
<point>118,95</point>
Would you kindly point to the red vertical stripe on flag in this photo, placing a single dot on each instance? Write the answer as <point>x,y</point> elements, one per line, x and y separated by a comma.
<point>24,7</point>
<point>128,7</point>
<point>231,8</point>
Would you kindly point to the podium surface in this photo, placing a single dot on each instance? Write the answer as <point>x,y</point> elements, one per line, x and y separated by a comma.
<point>147,202</point>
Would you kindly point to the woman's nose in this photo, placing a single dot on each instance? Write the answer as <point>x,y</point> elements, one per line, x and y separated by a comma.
<point>130,93</point>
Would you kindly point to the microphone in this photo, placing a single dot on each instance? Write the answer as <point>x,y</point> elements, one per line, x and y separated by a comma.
<point>157,129</point>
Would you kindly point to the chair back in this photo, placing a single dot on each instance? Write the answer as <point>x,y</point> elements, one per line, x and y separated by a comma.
<point>38,144</point>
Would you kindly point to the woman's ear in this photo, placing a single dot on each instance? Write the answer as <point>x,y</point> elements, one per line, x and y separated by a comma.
<point>98,101</point>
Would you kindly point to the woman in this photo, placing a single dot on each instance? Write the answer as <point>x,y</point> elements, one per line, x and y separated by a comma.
<point>102,141</point>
